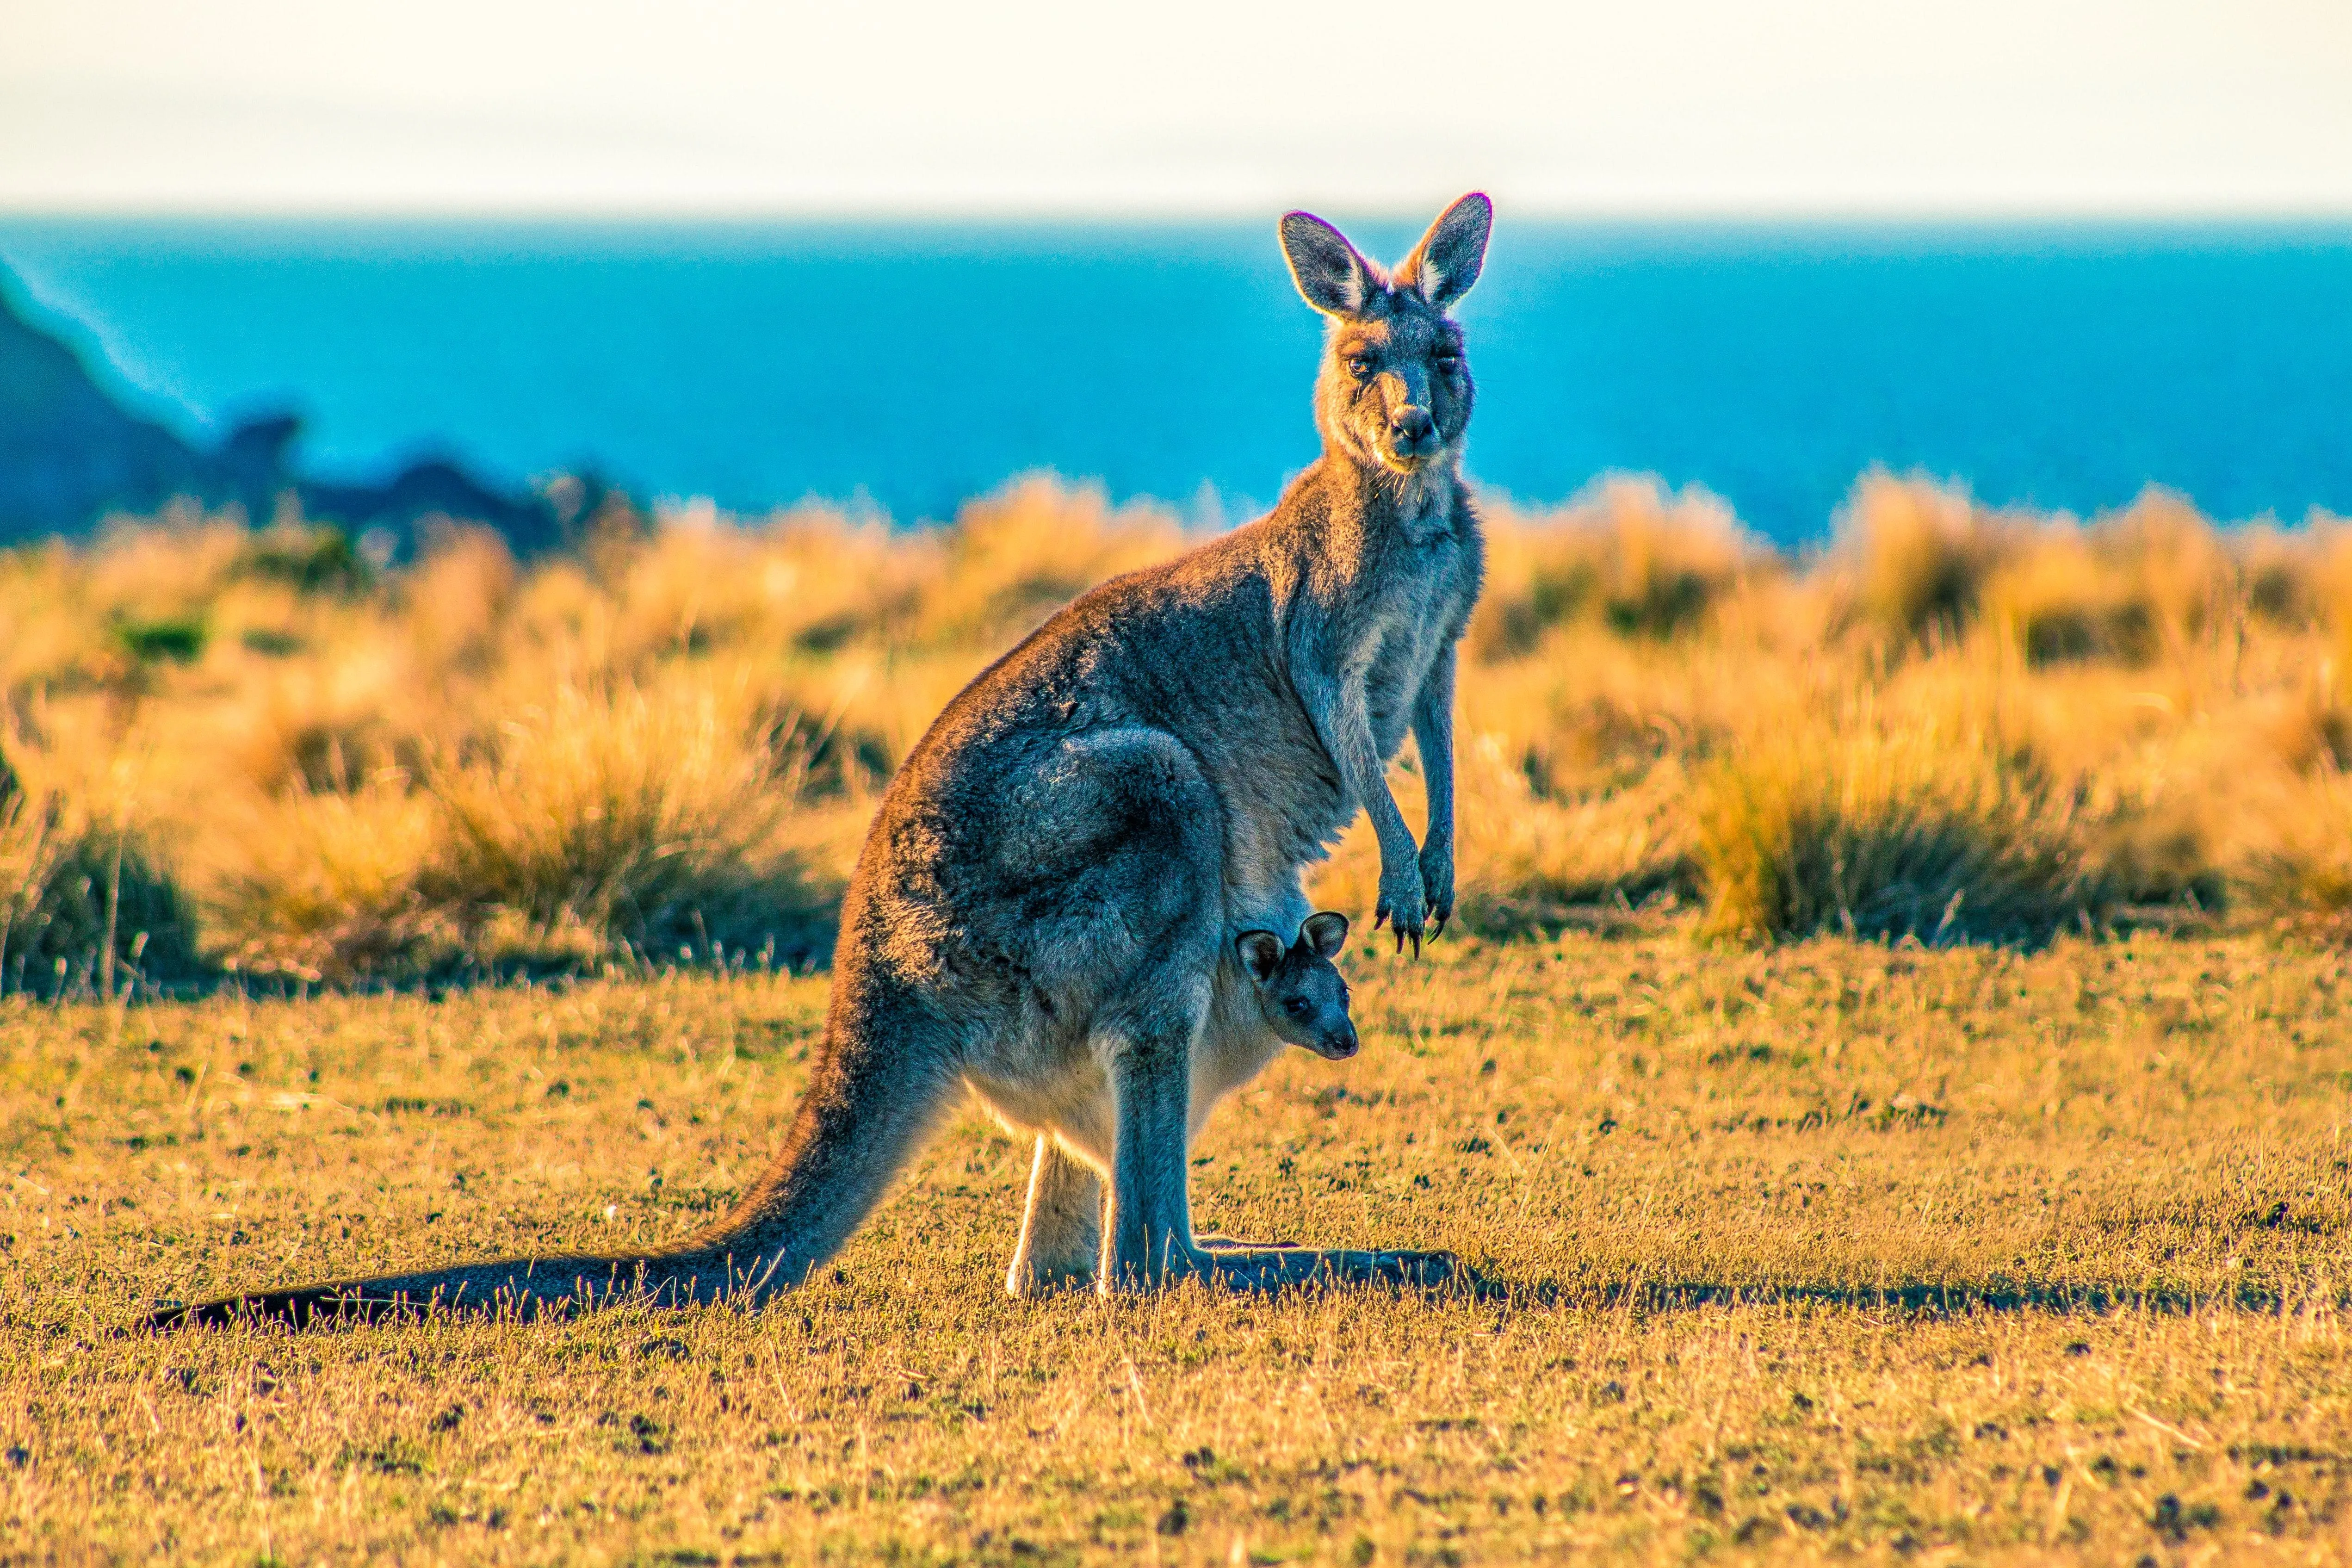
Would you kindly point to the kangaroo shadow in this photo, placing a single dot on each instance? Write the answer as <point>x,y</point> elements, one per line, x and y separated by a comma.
<point>1915,1299</point>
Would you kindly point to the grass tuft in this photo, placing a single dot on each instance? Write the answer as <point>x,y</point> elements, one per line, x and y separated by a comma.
<point>624,820</point>
<point>85,906</point>
<point>1911,829</point>
<point>1627,555</point>
<point>1913,557</point>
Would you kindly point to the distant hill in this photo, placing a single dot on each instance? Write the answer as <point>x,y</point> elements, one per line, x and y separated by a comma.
<point>70,456</point>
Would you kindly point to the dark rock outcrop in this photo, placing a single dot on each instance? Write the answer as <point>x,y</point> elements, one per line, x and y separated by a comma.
<point>71,456</point>
<point>68,453</point>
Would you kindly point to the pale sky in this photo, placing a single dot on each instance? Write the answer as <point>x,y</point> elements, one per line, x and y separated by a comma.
<point>1218,106</point>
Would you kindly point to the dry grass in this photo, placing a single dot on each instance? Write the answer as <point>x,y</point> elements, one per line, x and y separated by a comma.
<point>1804,1252</point>
<point>663,746</point>
<point>1867,828</point>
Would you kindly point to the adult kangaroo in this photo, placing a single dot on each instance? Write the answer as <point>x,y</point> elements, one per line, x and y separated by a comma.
<point>1047,907</point>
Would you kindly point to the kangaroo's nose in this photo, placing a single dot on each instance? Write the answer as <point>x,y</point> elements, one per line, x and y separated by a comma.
<point>1410,427</point>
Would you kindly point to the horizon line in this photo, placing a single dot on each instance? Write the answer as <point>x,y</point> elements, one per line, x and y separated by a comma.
<point>1145,215</point>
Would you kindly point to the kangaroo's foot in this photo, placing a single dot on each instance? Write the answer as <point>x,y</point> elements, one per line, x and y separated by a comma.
<point>1294,1267</point>
<point>1284,1268</point>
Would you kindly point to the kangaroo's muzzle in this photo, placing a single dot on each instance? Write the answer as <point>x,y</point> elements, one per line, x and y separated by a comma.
<point>1336,1047</point>
<point>1411,437</point>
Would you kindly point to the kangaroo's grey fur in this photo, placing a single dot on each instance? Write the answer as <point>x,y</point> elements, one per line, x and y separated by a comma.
<point>1047,909</point>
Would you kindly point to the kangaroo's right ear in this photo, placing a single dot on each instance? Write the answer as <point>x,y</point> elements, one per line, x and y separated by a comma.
<point>1333,278</point>
<point>1261,954</point>
<point>1450,255</point>
<point>1326,933</point>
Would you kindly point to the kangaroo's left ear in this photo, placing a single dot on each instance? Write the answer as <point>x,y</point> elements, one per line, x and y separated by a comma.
<point>1450,255</point>
<point>1261,954</point>
<point>1326,932</point>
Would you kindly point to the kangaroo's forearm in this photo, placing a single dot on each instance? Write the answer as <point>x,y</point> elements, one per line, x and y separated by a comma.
<point>1432,735</point>
<point>1345,727</point>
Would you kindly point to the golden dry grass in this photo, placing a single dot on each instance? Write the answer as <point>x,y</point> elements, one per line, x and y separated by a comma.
<point>663,746</point>
<point>1823,1250</point>
<point>1817,1249</point>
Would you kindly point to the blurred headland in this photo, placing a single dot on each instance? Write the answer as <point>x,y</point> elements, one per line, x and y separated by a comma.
<point>72,455</point>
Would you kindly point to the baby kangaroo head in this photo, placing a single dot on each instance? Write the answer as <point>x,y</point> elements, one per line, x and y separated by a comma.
<point>1394,388</point>
<point>1299,987</point>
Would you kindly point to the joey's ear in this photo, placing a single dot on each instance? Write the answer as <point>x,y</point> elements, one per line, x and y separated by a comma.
<point>1261,954</point>
<point>1334,279</point>
<point>1326,932</point>
<point>1448,258</point>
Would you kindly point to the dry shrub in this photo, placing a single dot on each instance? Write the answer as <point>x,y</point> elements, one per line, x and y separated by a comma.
<point>48,634</point>
<point>2326,589</point>
<point>674,736</point>
<point>2292,862</point>
<point>1627,554</point>
<point>810,581</point>
<point>310,558</point>
<point>623,817</point>
<point>327,725</point>
<point>327,887</point>
<point>1013,558</point>
<point>2148,583</point>
<point>1596,712</point>
<point>1917,828</point>
<point>2307,728</point>
<point>1911,557</point>
<point>453,601</point>
<point>171,566</point>
<point>2281,573</point>
<point>85,903</point>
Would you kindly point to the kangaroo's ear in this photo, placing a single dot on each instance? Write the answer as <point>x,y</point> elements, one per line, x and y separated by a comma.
<point>1261,954</point>
<point>1449,257</point>
<point>1326,932</point>
<point>1334,279</point>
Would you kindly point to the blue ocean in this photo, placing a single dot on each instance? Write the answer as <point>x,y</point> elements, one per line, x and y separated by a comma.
<point>905,367</point>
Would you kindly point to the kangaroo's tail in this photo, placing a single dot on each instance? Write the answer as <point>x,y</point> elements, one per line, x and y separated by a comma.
<point>878,1092</point>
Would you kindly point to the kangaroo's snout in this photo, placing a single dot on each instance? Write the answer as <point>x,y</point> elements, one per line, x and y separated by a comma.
<point>1413,432</point>
<point>1337,1045</point>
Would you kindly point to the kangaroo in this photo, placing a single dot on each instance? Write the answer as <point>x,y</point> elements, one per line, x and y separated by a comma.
<point>1049,909</point>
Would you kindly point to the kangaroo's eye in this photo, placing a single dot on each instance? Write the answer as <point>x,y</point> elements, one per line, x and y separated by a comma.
<point>1449,362</point>
<point>1296,1007</point>
<point>1358,365</point>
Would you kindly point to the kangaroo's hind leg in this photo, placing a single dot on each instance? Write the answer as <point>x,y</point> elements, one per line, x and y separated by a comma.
<point>1147,1228</point>
<point>1148,1236</point>
<point>1147,1241</point>
<point>1061,1225</point>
